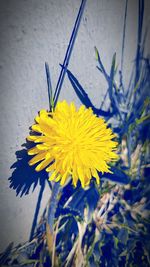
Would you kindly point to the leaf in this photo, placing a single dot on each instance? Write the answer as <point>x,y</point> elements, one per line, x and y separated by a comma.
<point>142,119</point>
<point>49,85</point>
<point>118,176</point>
<point>83,96</point>
<point>101,66</point>
<point>53,205</point>
<point>116,241</point>
<point>51,245</point>
<point>4,256</point>
<point>68,211</point>
<point>123,236</point>
<point>82,198</point>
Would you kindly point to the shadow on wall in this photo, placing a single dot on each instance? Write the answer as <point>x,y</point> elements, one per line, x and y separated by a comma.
<point>25,176</point>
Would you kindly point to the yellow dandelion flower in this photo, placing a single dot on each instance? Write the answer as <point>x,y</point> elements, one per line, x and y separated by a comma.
<point>73,143</point>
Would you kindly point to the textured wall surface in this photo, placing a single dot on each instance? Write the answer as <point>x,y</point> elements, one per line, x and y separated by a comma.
<point>35,31</point>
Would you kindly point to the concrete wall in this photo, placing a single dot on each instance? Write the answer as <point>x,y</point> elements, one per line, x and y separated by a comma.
<point>32,32</point>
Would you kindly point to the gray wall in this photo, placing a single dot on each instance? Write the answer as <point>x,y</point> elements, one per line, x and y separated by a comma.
<point>32,32</point>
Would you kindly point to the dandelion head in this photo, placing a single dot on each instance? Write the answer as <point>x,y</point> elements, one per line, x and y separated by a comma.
<point>71,142</point>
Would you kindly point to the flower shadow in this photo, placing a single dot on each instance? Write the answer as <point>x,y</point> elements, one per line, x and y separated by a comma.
<point>24,177</point>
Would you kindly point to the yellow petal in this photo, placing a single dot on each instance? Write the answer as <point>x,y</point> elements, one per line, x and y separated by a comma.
<point>50,168</point>
<point>95,175</point>
<point>32,137</point>
<point>53,176</point>
<point>36,128</point>
<point>58,178</point>
<point>33,151</point>
<point>64,178</point>
<point>37,158</point>
<point>43,164</point>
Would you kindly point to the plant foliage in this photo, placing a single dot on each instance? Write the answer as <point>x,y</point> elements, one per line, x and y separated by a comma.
<point>106,225</point>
